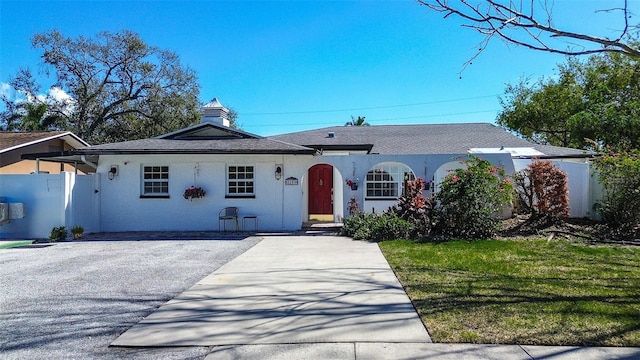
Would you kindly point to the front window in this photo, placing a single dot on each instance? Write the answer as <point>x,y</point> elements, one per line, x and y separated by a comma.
<point>386,181</point>
<point>240,181</point>
<point>155,180</point>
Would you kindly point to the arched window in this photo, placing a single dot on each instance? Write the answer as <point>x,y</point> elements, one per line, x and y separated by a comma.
<point>386,180</point>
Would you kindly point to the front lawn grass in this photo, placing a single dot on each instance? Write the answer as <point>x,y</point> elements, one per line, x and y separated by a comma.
<point>522,291</point>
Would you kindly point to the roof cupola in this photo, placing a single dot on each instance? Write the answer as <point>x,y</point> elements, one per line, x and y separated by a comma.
<point>215,113</point>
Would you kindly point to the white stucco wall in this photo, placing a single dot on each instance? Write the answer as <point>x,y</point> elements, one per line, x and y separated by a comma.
<point>50,200</point>
<point>277,205</point>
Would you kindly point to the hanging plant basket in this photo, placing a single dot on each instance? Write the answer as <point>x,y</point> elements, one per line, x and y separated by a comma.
<point>194,192</point>
<point>353,183</point>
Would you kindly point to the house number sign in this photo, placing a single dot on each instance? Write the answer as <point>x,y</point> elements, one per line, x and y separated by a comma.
<point>291,181</point>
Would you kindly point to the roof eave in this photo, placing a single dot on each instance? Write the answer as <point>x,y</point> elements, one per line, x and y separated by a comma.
<point>566,156</point>
<point>198,152</point>
<point>343,147</point>
<point>67,135</point>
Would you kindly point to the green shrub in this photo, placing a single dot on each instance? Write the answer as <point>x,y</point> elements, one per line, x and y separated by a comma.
<point>619,174</point>
<point>377,227</point>
<point>471,200</point>
<point>58,233</point>
<point>388,226</point>
<point>357,226</point>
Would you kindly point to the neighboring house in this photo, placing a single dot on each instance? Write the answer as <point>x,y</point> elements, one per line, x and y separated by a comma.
<point>283,180</point>
<point>14,144</point>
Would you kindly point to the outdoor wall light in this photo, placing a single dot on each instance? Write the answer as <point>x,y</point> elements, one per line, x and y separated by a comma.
<point>113,172</point>
<point>278,173</point>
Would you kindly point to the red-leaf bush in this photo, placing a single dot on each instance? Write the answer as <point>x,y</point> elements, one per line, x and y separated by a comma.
<point>415,208</point>
<point>542,189</point>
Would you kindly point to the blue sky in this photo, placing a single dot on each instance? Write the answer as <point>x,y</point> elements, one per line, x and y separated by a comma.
<point>295,65</point>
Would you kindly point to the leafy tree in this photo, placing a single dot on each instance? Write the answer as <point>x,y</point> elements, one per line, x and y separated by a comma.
<point>597,99</point>
<point>119,87</point>
<point>541,112</point>
<point>611,95</point>
<point>531,24</point>
<point>359,121</point>
<point>471,200</point>
<point>38,118</point>
<point>233,119</point>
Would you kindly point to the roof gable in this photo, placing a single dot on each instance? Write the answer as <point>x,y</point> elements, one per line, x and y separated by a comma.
<point>208,131</point>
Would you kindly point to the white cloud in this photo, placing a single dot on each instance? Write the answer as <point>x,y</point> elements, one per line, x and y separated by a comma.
<point>59,95</point>
<point>5,89</point>
<point>55,96</point>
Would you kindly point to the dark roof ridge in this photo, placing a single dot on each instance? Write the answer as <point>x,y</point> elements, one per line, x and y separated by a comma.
<point>192,128</point>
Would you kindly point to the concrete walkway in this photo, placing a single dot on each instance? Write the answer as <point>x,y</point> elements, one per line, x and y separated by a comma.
<point>314,297</point>
<point>286,290</point>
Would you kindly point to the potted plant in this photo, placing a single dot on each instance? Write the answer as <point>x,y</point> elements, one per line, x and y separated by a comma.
<point>77,232</point>
<point>353,183</point>
<point>58,233</point>
<point>194,192</point>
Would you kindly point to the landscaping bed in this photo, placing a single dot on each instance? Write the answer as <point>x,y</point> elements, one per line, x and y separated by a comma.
<point>535,289</point>
<point>588,231</point>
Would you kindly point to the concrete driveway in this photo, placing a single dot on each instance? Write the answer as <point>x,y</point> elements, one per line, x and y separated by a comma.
<point>286,290</point>
<point>70,300</point>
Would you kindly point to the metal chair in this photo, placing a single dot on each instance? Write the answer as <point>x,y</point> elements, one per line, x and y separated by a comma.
<point>228,213</point>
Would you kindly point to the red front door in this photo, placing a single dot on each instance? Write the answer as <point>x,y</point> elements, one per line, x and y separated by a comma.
<point>321,192</point>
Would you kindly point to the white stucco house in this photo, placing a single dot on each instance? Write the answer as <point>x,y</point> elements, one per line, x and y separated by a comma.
<point>283,180</point>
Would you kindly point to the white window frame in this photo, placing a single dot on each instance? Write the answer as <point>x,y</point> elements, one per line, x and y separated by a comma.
<point>385,181</point>
<point>241,182</point>
<point>154,180</point>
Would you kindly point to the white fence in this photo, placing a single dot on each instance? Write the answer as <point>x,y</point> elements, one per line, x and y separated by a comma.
<point>584,188</point>
<point>51,200</point>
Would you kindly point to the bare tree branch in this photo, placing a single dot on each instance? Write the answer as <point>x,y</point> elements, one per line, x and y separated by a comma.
<point>515,23</point>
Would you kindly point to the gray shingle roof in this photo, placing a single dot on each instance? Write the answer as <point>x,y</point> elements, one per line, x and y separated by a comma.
<point>419,139</point>
<point>203,138</point>
<point>227,146</point>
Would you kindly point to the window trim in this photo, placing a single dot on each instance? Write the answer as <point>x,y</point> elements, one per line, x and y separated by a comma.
<point>245,195</point>
<point>143,181</point>
<point>385,167</point>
